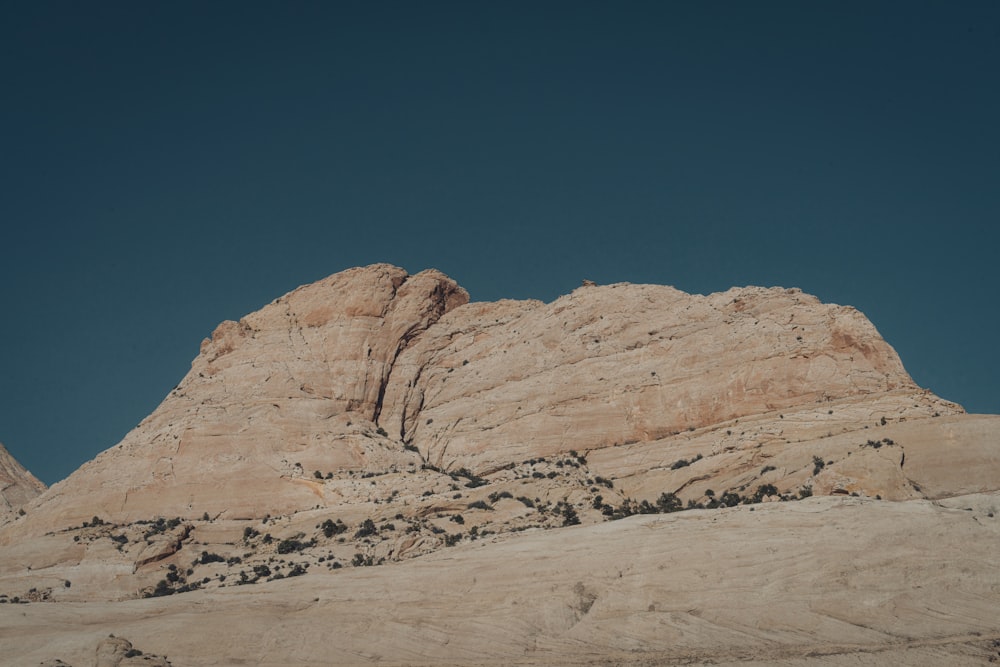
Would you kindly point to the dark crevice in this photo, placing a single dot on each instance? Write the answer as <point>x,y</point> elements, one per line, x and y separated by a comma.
<point>438,298</point>
<point>406,401</point>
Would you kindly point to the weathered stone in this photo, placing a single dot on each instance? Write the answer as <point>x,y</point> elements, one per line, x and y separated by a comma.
<point>374,417</point>
<point>17,486</point>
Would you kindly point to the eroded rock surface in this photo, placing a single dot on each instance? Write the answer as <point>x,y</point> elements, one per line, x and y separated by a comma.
<point>375,417</point>
<point>17,486</point>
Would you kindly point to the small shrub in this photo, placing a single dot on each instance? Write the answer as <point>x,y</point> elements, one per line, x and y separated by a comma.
<point>474,479</point>
<point>730,499</point>
<point>668,502</point>
<point>330,528</point>
<point>818,464</point>
<point>207,558</point>
<point>162,589</point>
<point>290,545</point>
<point>570,517</point>
<point>479,505</point>
<point>367,528</point>
<point>763,491</point>
<point>360,560</point>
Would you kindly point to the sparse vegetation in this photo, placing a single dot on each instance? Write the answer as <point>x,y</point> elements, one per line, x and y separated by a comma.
<point>818,464</point>
<point>330,528</point>
<point>682,463</point>
<point>479,505</point>
<point>207,558</point>
<point>290,545</point>
<point>367,528</point>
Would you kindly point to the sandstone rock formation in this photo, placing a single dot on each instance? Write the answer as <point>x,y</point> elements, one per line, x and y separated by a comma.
<point>826,581</point>
<point>343,374</point>
<point>17,486</point>
<point>374,417</point>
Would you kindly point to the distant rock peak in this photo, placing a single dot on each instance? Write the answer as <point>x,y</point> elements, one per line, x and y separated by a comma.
<point>17,486</point>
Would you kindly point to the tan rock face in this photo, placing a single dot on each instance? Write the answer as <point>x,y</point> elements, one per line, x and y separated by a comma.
<point>620,364</point>
<point>17,486</point>
<point>375,371</point>
<point>376,417</point>
<point>294,387</point>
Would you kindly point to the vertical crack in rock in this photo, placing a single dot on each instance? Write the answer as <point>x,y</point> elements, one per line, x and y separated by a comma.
<point>387,373</point>
<point>439,301</point>
<point>413,386</point>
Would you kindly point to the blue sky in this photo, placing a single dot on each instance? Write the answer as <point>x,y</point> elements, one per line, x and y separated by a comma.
<point>167,166</point>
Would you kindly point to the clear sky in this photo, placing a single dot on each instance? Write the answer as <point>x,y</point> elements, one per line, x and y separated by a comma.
<point>169,165</point>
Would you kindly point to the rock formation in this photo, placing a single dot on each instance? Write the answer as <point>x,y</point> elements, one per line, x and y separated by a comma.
<point>17,486</point>
<point>374,417</point>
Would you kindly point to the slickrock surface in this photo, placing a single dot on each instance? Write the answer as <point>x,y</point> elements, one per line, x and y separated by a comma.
<point>380,419</point>
<point>825,581</point>
<point>17,486</point>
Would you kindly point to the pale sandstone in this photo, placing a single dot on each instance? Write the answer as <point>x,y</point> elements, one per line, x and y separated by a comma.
<point>374,395</point>
<point>17,486</point>
<point>825,581</point>
<point>311,381</point>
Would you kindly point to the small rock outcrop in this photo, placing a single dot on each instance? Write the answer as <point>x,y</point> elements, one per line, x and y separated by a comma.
<point>17,486</point>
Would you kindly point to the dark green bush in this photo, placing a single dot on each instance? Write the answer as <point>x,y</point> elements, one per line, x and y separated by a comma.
<point>330,528</point>
<point>290,545</point>
<point>367,528</point>
<point>818,464</point>
<point>479,505</point>
<point>668,502</point>
<point>207,558</point>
